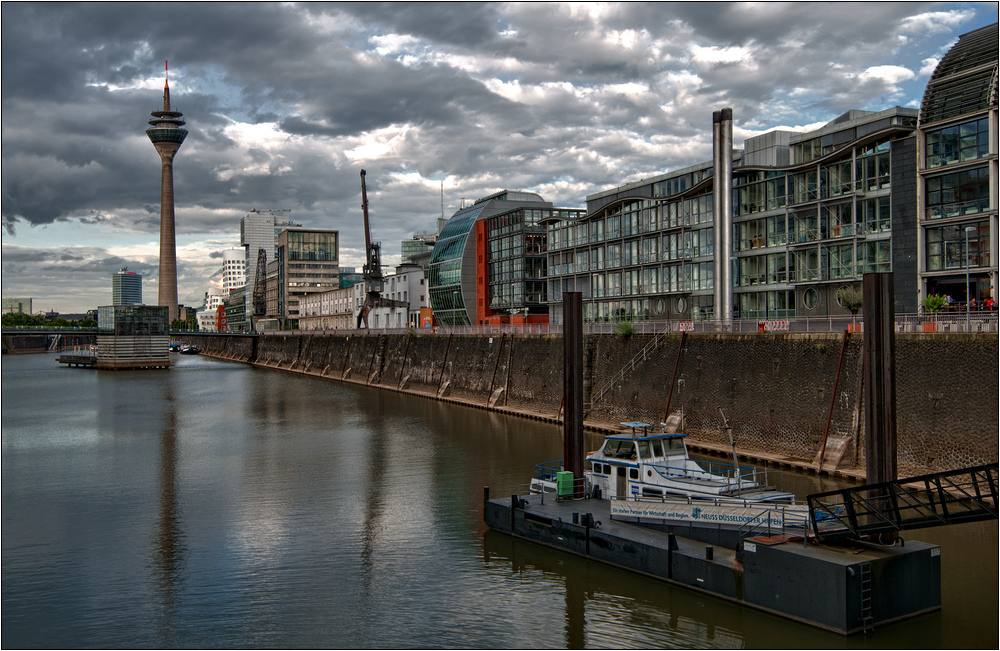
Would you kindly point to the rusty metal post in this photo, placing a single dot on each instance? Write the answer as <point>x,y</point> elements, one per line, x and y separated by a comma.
<point>444,364</point>
<point>833,401</point>
<point>880,379</point>
<point>573,388</point>
<point>673,380</point>
<point>496,365</point>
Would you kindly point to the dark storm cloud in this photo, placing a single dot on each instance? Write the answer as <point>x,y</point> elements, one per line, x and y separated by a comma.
<point>285,103</point>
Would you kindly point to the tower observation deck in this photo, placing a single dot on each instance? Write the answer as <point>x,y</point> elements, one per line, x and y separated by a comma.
<point>166,134</point>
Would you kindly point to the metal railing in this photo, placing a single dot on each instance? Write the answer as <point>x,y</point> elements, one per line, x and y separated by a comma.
<point>640,356</point>
<point>950,497</point>
<point>929,322</point>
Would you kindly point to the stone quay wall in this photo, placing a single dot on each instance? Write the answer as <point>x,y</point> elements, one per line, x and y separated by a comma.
<point>775,389</point>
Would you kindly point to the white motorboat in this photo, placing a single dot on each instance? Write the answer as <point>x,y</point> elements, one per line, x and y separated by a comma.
<point>638,463</point>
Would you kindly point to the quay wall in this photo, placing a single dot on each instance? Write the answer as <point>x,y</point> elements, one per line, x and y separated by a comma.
<point>39,343</point>
<point>775,389</point>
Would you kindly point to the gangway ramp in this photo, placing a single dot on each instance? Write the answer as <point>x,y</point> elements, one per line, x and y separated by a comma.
<point>943,498</point>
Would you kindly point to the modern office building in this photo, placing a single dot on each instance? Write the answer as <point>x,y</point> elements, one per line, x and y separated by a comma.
<point>234,267</point>
<point>132,337</point>
<point>259,230</point>
<point>166,134</point>
<point>126,288</point>
<point>306,263</point>
<point>22,305</point>
<point>418,249</point>
<point>958,179</point>
<point>489,263</point>
<point>235,311</point>
<point>808,214</point>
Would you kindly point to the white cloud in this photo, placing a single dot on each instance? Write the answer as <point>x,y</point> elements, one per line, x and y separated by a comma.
<point>891,76</point>
<point>928,66</point>
<point>936,22</point>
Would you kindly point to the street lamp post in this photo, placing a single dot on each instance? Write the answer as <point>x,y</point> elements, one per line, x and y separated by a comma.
<point>968,263</point>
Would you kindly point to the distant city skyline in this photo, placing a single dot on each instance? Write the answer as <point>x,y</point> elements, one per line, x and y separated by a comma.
<point>286,103</point>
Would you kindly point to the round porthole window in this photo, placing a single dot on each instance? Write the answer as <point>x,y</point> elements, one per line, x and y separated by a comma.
<point>680,305</point>
<point>649,473</point>
<point>810,299</point>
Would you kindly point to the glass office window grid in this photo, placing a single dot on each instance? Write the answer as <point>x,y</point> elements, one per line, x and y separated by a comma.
<point>959,193</point>
<point>958,143</point>
<point>946,246</point>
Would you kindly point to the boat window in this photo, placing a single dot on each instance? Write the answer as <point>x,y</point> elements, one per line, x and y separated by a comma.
<point>674,445</point>
<point>607,469</point>
<point>644,449</point>
<point>619,449</point>
<point>633,473</point>
<point>657,449</point>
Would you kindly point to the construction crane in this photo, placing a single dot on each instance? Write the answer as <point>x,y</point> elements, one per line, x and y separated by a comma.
<point>372,271</point>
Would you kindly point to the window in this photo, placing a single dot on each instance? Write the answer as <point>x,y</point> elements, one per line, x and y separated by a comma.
<point>841,261</point>
<point>959,193</point>
<point>958,143</point>
<point>946,246</point>
<point>871,170</point>
<point>874,215</point>
<point>875,257</point>
<point>810,298</point>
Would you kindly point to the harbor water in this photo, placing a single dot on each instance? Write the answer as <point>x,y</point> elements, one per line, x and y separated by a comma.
<point>223,505</point>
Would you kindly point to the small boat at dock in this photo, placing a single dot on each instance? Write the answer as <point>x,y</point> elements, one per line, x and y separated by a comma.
<point>189,350</point>
<point>638,463</point>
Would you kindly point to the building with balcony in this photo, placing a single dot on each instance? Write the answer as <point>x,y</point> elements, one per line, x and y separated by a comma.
<point>958,178</point>
<point>809,213</point>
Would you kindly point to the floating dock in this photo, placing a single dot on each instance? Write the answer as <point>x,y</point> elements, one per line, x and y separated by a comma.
<point>846,588</point>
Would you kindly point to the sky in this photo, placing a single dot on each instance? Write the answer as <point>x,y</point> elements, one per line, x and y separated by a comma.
<point>286,103</point>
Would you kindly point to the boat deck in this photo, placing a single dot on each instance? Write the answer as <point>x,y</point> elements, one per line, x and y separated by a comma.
<point>600,510</point>
<point>845,589</point>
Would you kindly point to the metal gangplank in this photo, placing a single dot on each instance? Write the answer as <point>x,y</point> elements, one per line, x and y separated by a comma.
<point>950,497</point>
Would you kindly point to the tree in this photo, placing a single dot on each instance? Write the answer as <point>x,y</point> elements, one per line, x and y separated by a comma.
<point>20,320</point>
<point>851,299</point>
<point>935,303</point>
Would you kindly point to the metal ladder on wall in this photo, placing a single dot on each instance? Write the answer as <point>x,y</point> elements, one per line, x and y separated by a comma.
<point>640,356</point>
<point>867,619</point>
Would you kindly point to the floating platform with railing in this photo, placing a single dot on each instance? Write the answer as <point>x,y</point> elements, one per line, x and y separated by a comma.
<point>809,562</point>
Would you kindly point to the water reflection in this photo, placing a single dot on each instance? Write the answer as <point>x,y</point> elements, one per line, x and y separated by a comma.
<point>168,545</point>
<point>221,505</point>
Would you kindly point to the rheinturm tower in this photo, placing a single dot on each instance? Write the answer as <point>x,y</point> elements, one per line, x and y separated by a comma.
<point>166,134</point>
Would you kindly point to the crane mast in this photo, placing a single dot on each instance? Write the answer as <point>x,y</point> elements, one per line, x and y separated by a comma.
<point>372,270</point>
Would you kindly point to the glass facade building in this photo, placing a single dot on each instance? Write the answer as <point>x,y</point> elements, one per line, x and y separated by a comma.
<point>812,213</point>
<point>489,262</point>
<point>957,164</point>
<point>307,263</point>
<point>126,288</point>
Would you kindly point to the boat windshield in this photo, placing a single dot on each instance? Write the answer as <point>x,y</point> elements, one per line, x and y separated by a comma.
<point>644,449</point>
<point>615,449</point>
<point>673,446</point>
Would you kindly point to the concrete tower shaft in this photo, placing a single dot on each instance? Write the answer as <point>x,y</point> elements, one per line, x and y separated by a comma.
<point>166,134</point>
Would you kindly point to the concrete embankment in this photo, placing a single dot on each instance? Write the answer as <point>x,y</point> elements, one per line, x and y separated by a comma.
<point>776,389</point>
